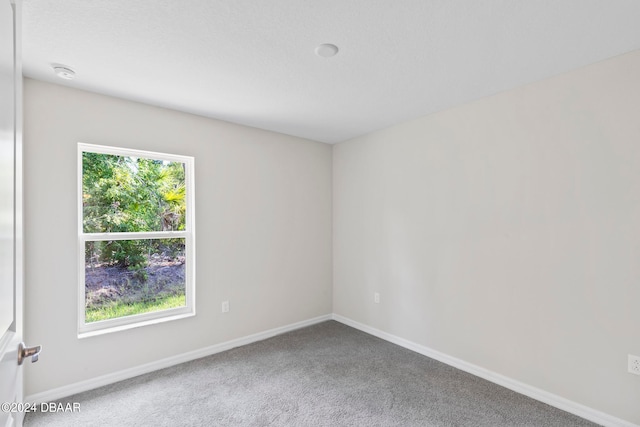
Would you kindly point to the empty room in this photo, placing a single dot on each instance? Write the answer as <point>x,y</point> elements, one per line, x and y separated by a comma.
<point>320,213</point>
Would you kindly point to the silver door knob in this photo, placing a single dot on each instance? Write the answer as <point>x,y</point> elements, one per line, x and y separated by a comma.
<point>24,352</point>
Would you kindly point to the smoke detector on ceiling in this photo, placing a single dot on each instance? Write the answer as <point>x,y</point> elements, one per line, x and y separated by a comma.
<point>327,50</point>
<point>64,72</point>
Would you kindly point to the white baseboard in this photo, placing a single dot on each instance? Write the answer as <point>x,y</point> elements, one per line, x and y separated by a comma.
<point>68,390</point>
<point>517,386</point>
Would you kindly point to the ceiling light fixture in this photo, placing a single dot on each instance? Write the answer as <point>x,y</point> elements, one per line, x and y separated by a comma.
<point>327,50</point>
<point>64,72</point>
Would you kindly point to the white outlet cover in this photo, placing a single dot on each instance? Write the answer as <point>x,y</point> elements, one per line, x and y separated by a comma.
<point>634,364</point>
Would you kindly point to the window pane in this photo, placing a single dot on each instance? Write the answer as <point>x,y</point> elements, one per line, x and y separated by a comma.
<point>127,277</point>
<point>132,194</point>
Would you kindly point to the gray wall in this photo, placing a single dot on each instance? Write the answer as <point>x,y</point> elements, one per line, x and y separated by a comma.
<point>263,218</point>
<point>506,233</point>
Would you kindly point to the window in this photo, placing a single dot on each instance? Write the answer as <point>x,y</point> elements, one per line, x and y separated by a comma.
<point>135,238</point>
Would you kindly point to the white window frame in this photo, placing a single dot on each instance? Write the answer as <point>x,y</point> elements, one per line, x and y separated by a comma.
<point>133,321</point>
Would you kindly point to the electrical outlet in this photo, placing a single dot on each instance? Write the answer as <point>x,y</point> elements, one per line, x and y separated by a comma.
<point>634,364</point>
<point>225,306</point>
<point>376,298</point>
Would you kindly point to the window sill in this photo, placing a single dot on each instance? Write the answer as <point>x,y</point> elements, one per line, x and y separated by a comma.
<point>112,329</point>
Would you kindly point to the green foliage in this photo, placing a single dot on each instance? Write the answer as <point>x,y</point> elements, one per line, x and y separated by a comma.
<point>120,309</point>
<point>129,194</point>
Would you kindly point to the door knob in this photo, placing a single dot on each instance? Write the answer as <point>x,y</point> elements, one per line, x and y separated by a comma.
<point>24,352</point>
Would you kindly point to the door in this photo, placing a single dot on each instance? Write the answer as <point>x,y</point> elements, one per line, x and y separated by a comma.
<point>10,216</point>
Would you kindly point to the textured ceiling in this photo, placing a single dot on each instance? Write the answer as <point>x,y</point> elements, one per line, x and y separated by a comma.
<point>252,62</point>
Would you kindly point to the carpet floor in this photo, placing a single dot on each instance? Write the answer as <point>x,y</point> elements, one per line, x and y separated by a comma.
<point>324,375</point>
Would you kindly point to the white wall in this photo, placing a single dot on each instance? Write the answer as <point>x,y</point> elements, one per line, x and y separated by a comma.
<point>506,233</point>
<point>263,218</point>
